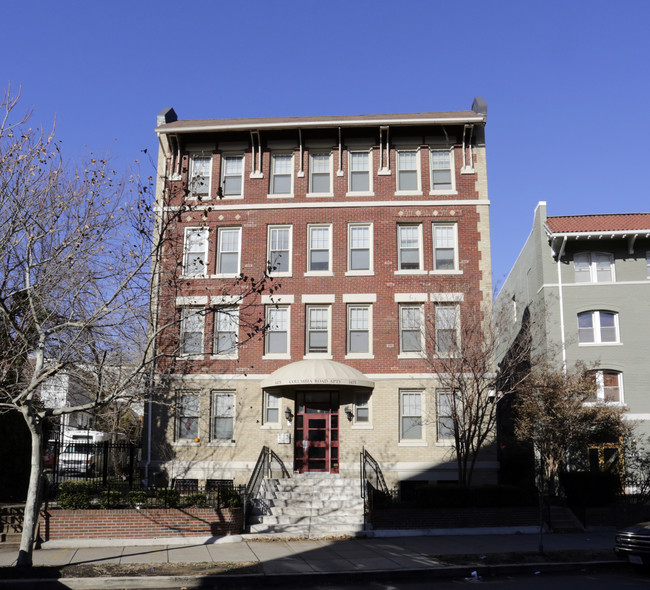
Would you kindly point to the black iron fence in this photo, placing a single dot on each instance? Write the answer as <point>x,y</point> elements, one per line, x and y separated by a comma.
<point>102,462</point>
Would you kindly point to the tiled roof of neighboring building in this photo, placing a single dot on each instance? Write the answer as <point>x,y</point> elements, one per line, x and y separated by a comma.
<point>326,121</point>
<point>614,222</point>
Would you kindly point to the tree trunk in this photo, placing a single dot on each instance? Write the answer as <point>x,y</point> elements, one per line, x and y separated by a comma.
<point>32,504</point>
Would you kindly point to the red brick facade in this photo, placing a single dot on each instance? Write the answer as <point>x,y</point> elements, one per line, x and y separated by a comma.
<point>140,524</point>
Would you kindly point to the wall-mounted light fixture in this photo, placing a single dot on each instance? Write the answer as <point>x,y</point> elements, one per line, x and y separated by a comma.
<point>349,413</point>
<point>288,415</point>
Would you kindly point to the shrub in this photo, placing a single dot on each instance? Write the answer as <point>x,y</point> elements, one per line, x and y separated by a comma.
<point>195,500</point>
<point>456,496</point>
<point>171,498</point>
<point>110,499</point>
<point>75,495</point>
<point>135,497</point>
<point>230,498</point>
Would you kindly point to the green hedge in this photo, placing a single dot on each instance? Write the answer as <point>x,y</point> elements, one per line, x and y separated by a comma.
<point>456,496</point>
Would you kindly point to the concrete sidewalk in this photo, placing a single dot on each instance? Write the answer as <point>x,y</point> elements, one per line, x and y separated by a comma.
<point>298,557</point>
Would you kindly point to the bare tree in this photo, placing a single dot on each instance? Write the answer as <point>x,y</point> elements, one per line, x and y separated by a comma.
<point>77,266</point>
<point>556,412</point>
<point>461,343</point>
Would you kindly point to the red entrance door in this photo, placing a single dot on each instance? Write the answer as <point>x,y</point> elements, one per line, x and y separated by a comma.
<point>316,436</point>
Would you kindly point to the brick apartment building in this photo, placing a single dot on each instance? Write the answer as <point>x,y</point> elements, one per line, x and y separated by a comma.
<point>375,227</point>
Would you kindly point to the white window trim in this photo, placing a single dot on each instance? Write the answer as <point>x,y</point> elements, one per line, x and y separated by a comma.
<point>291,193</point>
<point>222,442</point>
<point>593,270</point>
<point>456,270</point>
<point>268,249</point>
<point>647,263</point>
<point>452,163</point>
<point>196,355</point>
<point>411,354</point>
<point>371,270</point>
<point>359,355</point>
<point>266,425</point>
<point>457,320</point>
<point>420,442</point>
<point>277,299</point>
<point>235,353</point>
<point>370,192</point>
<point>362,425</point>
<point>317,152</point>
<point>414,271</point>
<point>206,232</point>
<point>418,170</point>
<point>442,441</point>
<point>595,313</point>
<point>320,273</point>
<point>225,155</point>
<point>600,388</point>
<point>279,355</point>
<point>220,229</point>
<point>182,442</point>
<point>190,175</point>
<point>319,355</point>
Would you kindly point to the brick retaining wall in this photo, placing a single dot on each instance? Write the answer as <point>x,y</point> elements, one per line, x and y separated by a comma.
<point>144,523</point>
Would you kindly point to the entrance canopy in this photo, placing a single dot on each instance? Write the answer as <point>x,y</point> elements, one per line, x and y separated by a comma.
<point>323,373</point>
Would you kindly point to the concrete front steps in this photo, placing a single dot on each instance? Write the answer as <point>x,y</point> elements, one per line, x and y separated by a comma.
<point>309,505</point>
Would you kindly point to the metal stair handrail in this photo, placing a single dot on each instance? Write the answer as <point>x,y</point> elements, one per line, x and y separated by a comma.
<point>263,468</point>
<point>368,462</point>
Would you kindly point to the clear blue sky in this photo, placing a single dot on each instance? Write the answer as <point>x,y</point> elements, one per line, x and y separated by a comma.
<point>567,82</point>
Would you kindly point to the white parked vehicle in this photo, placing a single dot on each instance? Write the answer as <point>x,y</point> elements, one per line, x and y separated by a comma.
<point>81,452</point>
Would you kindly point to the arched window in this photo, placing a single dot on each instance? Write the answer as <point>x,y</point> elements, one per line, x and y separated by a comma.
<point>598,327</point>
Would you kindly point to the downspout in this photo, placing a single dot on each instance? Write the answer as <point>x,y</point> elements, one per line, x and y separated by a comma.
<point>560,293</point>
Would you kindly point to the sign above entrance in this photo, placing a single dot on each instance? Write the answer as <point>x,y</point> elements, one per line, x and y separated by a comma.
<point>317,372</point>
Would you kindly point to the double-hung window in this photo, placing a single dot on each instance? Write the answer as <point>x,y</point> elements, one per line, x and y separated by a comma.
<point>362,408</point>
<point>318,329</point>
<point>320,173</point>
<point>187,415</point>
<point>360,248</point>
<point>598,327</point>
<point>445,247</point>
<point>442,177</point>
<point>409,245</point>
<point>360,180</point>
<point>223,416</point>
<point>593,267</point>
<point>228,250</point>
<point>359,329</point>
<point>282,174</point>
<point>411,332</point>
<point>447,328</point>
<point>226,326</point>
<point>411,415</point>
<point>319,242</point>
<point>232,176</point>
<point>445,410</point>
<point>192,327</point>
<point>279,250</point>
<point>408,176</point>
<point>271,408</point>
<point>276,339</point>
<point>195,262</point>
<point>200,176</point>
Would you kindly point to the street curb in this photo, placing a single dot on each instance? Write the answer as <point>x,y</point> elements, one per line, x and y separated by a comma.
<point>305,579</point>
